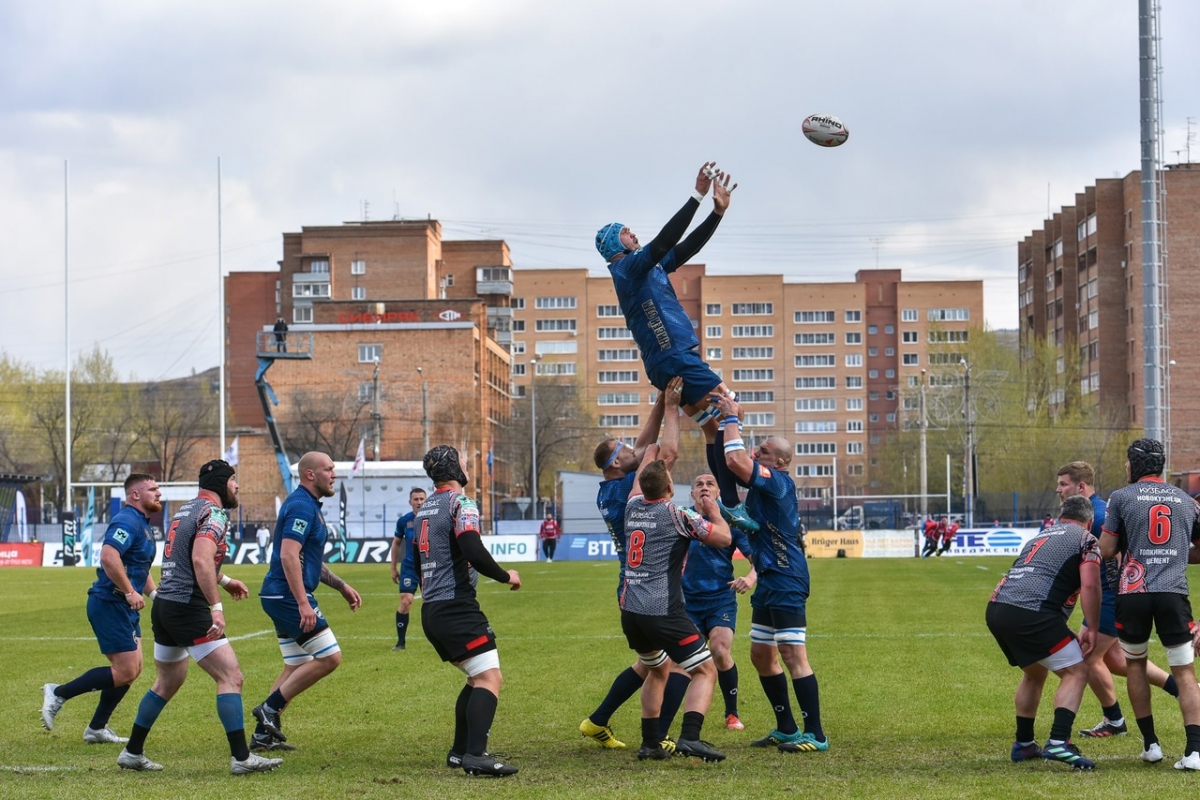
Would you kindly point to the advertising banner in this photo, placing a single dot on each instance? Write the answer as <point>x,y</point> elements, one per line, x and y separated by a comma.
<point>991,541</point>
<point>586,547</point>
<point>21,554</point>
<point>826,544</point>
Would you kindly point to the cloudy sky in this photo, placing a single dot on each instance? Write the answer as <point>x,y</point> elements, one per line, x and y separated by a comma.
<point>536,122</point>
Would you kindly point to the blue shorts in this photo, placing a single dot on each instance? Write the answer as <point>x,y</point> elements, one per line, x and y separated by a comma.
<point>773,598</point>
<point>285,613</point>
<point>409,582</point>
<point>713,611</point>
<point>117,626</point>
<point>698,378</point>
<point>1108,613</point>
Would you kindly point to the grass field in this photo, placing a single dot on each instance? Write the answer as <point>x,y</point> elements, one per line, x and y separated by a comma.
<point>916,699</point>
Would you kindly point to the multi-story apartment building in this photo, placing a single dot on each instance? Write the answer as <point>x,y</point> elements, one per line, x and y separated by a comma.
<point>822,364</point>
<point>1080,289</point>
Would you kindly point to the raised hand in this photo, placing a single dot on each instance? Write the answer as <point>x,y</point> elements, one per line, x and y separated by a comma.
<point>705,177</point>
<point>721,192</point>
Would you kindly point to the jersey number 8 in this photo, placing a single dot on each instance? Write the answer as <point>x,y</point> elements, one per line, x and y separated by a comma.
<point>637,539</point>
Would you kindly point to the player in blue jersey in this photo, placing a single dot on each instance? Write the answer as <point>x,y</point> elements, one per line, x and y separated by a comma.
<point>619,463</point>
<point>710,590</point>
<point>1078,479</point>
<point>310,650</point>
<point>113,607</point>
<point>660,326</point>
<point>405,575</point>
<point>779,623</point>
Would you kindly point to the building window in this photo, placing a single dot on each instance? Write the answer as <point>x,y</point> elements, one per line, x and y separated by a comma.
<point>816,404</point>
<point>872,352</point>
<point>619,421</point>
<point>854,338</point>
<point>854,360</point>
<point>889,373</point>
<point>816,383</point>
<point>618,376</point>
<point>889,352</point>
<point>366,391</point>
<point>823,426</point>
<point>753,352</point>
<point>854,404</point>
<point>712,354</point>
<point>889,330</point>
<point>909,337</point>
<point>712,309</point>
<point>556,368</point>
<point>811,317</point>
<point>556,348</point>
<point>493,274</point>
<point>805,362</point>
<point>872,330</point>
<point>872,374</point>
<point>804,339</point>
<point>908,315</point>
<point>814,470</point>
<point>543,325</point>
<point>319,267</point>
<point>543,303</point>
<point>614,333</point>
<point>752,331</point>
<point>618,399</point>
<point>853,315</point>
<point>518,369</point>
<point>625,354</point>
<point>952,337</point>
<point>854,469</point>
<point>761,419</point>
<point>753,375</point>
<point>909,359</point>
<point>358,267</point>
<point>954,314</point>
<point>766,396</point>
<point>816,448</point>
<point>310,290</point>
<point>517,303</point>
<point>358,293</point>
<point>748,309</point>
<point>854,382</point>
<point>608,311</point>
<point>712,332</point>
<point>369,353</point>
<point>854,426</point>
<point>518,326</point>
<point>302,314</point>
<point>517,349</point>
<point>891,416</point>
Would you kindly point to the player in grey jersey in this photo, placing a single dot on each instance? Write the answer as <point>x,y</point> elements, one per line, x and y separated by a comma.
<point>1153,525</point>
<point>652,610</point>
<point>1025,616</point>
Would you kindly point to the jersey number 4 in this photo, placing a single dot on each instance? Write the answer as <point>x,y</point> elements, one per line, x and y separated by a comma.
<point>637,540</point>
<point>423,539</point>
<point>1160,524</point>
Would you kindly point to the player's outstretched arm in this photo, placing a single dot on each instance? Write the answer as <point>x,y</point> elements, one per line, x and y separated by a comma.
<point>736,458</point>
<point>720,535</point>
<point>673,231</point>
<point>689,247</point>
<point>668,449</point>
<point>649,433</point>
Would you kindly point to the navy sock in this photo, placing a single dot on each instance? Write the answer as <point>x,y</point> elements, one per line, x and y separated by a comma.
<point>481,711</point>
<point>1113,713</point>
<point>776,689</point>
<point>693,721</point>
<point>229,711</point>
<point>276,702</point>
<point>808,697</point>
<point>1025,733</point>
<point>728,681</point>
<point>650,732</point>
<point>401,627</point>
<point>1171,687</point>
<point>460,720</point>
<point>677,684</point>
<point>1193,739</point>
<point>148,711</point>
<point>1146,726</point>
<point>1064,721</point>
<point>625,686</point>
<point>109,699</point>
<point>94,680</point>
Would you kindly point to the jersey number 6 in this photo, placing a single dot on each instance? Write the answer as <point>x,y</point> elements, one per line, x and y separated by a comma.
<point>637,539</point>
<point>1160,524</point>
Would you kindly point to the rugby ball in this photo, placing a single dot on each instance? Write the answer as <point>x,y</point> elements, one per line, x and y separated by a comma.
<point>825,130</point>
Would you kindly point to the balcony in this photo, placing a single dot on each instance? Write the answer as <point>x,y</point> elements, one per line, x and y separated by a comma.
<point>268,344</point>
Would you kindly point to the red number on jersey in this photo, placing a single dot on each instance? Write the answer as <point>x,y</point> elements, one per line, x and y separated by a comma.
<point>1160,524</point>
<point>1036,545</point>
<point>170,539</point>
<point>423,539</point>
<point>637,539</point>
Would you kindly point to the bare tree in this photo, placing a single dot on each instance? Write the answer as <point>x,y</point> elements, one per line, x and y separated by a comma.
<point>564,435</point>
<point>330,422</point>
<point>171,418</point>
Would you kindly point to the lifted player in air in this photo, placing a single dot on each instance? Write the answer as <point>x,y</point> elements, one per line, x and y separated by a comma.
<point>1153,525</point>
<point>1025,616</point>
<point>652,611</point>
<point>660,326</point>
<point>619,464</point>
<point>710,591</point>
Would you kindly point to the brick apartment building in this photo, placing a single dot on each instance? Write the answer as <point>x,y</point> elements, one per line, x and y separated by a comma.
<point>1080,289</point>
<point>827,365</point>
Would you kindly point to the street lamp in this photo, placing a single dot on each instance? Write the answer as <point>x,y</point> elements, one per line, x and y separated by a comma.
<point>969,471</point>
<point>424,411</point>
<point>533,435</point>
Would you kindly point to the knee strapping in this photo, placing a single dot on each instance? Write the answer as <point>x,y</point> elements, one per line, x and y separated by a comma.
<point>1181,654</point>
<point>1135,650</point>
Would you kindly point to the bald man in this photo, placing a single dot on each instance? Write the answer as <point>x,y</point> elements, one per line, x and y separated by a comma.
<point>310,650</point>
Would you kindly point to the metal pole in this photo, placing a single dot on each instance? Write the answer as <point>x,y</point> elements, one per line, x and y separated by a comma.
<point>67,328</point>
<point>835,494</point>
<point>969,467</point>
<point>947,484</point>
<point>220,316</point>
<point>924,454</point>
<point>533,435</point>
<point>375,415</point>
<point>1151,289</point>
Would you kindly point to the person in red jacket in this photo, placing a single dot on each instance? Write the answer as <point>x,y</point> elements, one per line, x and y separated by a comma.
<point>931,538</point>
<point>550,533</point>
<point>947,528</point>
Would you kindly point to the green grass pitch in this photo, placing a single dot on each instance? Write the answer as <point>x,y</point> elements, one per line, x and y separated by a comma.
<point>916,699</point>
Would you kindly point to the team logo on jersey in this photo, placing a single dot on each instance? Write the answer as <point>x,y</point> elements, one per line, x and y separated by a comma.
<point>121,536</point>
<point>763,472</point>
<point>299,526</point>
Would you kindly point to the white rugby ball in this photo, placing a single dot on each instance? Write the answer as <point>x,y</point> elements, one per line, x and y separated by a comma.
<point>825,130</point>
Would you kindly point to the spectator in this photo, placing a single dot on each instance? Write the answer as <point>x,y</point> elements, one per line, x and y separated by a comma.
<point>550,533</point>
<point>281,330</point>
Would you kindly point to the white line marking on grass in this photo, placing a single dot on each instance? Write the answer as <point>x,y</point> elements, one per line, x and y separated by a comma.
<point>250,635</point>
<point>985,569</point>
<point>12,768</point>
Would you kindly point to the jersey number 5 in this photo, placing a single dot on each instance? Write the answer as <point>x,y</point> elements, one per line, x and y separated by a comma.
<point>170,545</point>
<point>1160,524</point>
<point>637,539</point>
<point>423,539</point>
